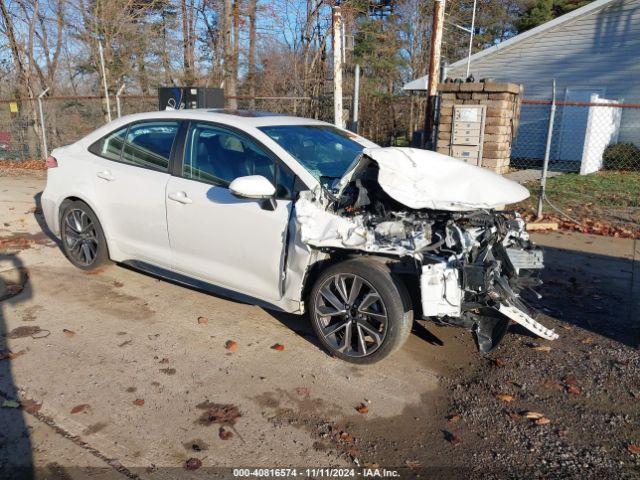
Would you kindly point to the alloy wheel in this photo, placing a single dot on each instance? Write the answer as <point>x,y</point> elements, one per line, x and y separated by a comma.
<point>81,238</point>
<point>351,315</point>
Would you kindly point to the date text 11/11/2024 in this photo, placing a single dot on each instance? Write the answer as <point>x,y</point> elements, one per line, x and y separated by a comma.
<point>316,472</point>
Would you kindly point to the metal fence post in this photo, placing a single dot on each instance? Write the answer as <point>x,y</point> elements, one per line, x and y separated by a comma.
<point>547,151</point>
<point>104,80</point>
<point>118,93</point>
<point>42,126</point>
<point>356,98</point>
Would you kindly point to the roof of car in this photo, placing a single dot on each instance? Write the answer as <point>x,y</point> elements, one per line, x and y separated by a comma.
<point>245,117</point>
<point>246,113</point>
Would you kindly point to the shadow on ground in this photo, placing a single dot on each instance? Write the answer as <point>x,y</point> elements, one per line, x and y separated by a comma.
<point>15,445</point>
<point>595,292</point>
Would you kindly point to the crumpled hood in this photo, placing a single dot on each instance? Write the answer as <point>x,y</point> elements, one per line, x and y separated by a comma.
<point>425,179</point>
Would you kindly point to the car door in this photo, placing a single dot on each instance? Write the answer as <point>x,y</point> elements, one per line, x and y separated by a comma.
<point>131,175</point>
<point>235,243</point>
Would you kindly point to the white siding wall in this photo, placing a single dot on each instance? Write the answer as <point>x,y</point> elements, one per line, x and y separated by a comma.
<point>597,52</point>
<point>600,50</point>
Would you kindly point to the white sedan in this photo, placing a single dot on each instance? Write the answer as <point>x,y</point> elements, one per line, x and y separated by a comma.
<point>298,215</point>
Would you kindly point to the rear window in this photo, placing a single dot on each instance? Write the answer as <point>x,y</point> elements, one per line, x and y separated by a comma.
<point>145,144</point>
<point>110,146</point>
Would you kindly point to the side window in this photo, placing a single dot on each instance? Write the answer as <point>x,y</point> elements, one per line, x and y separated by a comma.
<point>149,144</point>
<point>218,156</point>
<point>111,145</point>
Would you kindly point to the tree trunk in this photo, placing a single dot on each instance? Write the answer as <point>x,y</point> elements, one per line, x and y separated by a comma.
<point>236,39</point>
<point>187,42</point>
<point>229,78</point>
<point>251,71</point>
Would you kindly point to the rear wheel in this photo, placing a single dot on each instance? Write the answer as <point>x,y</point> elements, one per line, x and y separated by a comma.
<point>82,236</point>
<point>360,312</point>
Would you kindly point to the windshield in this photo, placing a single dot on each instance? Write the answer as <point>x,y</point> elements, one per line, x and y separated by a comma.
<point>323,150</point>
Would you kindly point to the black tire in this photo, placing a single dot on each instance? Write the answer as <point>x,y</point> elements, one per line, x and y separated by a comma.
<point>83,243</point>
<point>372,338</point>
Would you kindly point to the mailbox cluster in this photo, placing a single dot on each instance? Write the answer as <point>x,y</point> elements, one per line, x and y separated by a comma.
<point>477,122</point>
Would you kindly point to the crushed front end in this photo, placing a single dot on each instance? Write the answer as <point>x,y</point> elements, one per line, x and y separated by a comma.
<point>471,264</point>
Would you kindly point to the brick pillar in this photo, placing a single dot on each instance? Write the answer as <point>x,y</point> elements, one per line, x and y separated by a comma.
<point>502,101</point>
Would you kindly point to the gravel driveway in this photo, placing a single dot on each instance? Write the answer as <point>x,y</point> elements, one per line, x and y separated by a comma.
<point>118,374</point>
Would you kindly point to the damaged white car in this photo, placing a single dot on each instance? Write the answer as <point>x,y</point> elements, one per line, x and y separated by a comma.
<point>298,215</point>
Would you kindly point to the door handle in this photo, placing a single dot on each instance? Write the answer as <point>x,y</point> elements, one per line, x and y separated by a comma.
<point>105,175</point>
<point>180,197</point>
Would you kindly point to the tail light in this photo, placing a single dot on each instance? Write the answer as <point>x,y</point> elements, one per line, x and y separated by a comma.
<point>51,162</point>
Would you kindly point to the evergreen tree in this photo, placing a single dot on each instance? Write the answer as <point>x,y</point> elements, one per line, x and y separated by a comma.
<point>538,12</point>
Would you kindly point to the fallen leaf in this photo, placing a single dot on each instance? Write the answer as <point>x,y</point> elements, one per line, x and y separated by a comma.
<point>452,438</point>
<point>375,465</point>
<point>139,402</point>
<point>542,421</point>
<point>30,406</point>
<point>498,362</point>
<point>224,414</point>
<point>231,345</point>
<point>224,433</point>
<point>586,341</point>
<point>303,391</point>
<point>203,320</point>
<point>633,449</point>
<point>453,418</point>
<point>11,355</point>
<point>541,348</point>
<point>346,437</point>
<point>505,397</point>
<point>68,333</point>
<point>362,408</point>
<point>10,404</point>
<point>192,464</point>
<point>83,407</point>
<point>532,415</point>
<point>573,390</point>
<point>513,415</point>
<point>278,347</point>
<point>412,463</point>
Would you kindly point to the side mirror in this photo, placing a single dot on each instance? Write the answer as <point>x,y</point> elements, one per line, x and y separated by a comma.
<point>252,186</point>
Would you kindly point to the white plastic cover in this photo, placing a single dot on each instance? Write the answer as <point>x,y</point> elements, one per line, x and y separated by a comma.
<point>425,179</point>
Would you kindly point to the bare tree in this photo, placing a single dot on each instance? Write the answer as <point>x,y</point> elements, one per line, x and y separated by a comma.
<point>228,48</point>
<point>251,60</point>
<point>188,40</point>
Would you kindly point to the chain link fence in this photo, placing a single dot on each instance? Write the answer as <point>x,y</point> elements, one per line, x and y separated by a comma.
<point>66,120</point>
<point>385,119</point>
<point>586,136</point>
<point>593,182</point>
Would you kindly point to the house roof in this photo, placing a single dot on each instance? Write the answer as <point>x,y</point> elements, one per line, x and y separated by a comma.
<point>421,83</point>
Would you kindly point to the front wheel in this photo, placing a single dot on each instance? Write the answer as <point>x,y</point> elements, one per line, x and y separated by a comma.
<point>82,237</point>
<point>360,311</point>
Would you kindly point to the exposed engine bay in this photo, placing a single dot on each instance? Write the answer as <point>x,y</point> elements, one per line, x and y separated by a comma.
<point>471,263</point>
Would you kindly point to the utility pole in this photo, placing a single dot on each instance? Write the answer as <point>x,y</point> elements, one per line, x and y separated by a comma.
<point>434,70</point>
<point>471,33</point>
<point>337,66</point>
